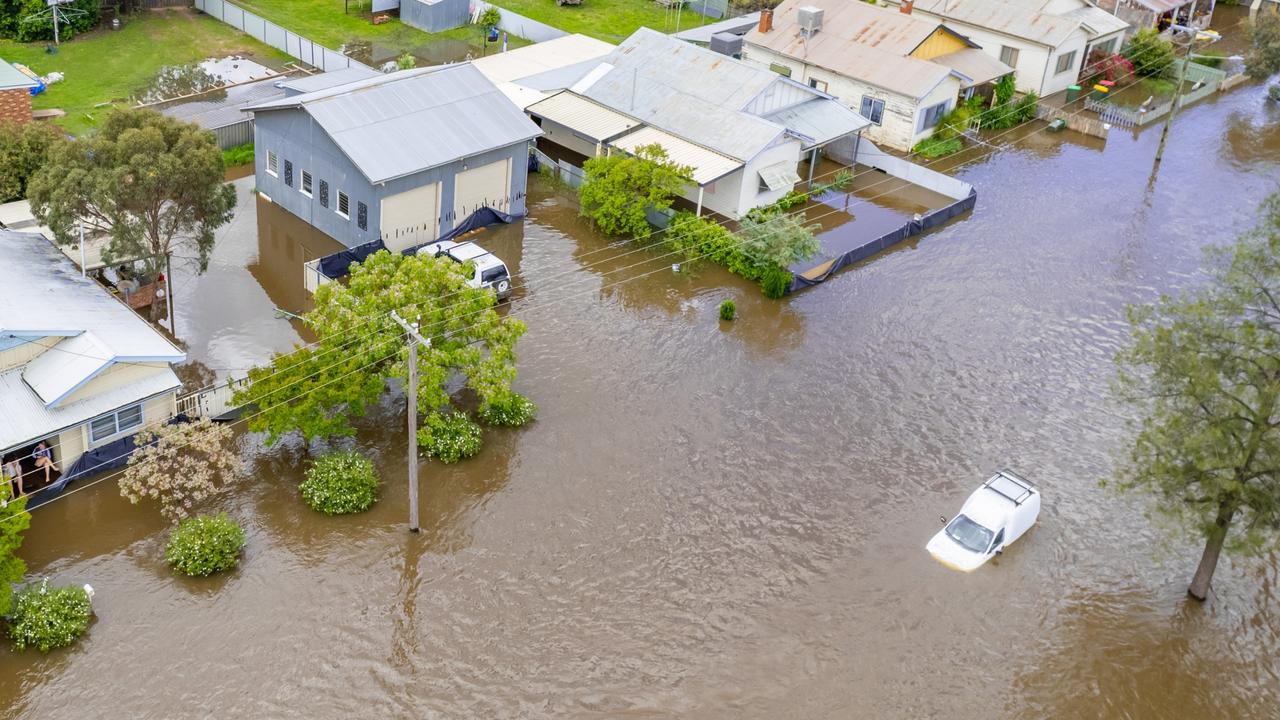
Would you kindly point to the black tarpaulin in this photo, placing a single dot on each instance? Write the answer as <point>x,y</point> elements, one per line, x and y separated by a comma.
<point>339,264</point>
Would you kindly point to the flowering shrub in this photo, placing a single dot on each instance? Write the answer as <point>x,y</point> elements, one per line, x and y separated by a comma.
<point>46,619</point>
<point>205,544</point>
<point>341,483</point>
<point>508,410</point>
<point>450,437</point>
<point>180,465</point>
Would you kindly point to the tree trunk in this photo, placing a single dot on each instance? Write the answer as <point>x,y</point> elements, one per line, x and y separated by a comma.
<point>1212,549</point>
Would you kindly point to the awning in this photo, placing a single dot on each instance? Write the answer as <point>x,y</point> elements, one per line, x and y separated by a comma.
<point>975,65</point>
<point>707,165</point>
<point>779,176</point>
<point>583,116</point>
<point>819,121</point>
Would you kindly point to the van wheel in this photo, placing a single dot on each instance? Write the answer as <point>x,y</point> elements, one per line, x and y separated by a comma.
<point>503,286</point>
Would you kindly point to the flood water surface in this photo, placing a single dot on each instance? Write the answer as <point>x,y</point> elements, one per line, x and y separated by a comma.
<point>727,520</point>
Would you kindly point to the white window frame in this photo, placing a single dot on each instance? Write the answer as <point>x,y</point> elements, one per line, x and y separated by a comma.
<point>305,181</point>
<point>117,431</point>
<point>1069,58</point>
<point>273,164</point>
<point>337,205</point>
<point>819,85</point>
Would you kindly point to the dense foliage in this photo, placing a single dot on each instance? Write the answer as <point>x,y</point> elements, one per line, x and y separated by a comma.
<point>14,520</point>
<point>936,146</point>
<point>341,483</point>
<point>728,309</point>
<point>179,465</point>
<point>451,437</point>
<point>318,390</point>
<point>1203,372</point>
<point>508,410</point>
<point>694,238</point>
<point>1114,67</point>
<point>238,155</point>
<point>45,618</point>
<point>205,544</point>
<point>490,18</point>
<point>618,188</point>
<point>152,184</point>
<point>29,20</point>
<point>779,240</point>
<point>1151,55</point>
<point>1262,59</point>
<point>23,149</point>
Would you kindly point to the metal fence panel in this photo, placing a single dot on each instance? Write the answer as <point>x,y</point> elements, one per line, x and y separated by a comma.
<point>278,37</point>
<point>230,136</point>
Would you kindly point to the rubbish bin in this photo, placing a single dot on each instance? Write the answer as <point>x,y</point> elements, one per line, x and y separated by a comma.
<point>1073,93</point>
<point>1101,91</point>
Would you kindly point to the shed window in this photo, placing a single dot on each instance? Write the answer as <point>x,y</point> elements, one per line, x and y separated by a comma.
<point>273,164</point>
<point>118,422</point>
<point>819,85</point>
<point>930,116</point>
<point>1066,62</point>
<point>362,216</point>
<point>872,109</point>
<point>344,205</point>
<point>324,193</point>
<point>306,183</point>
<point>288,173</point>
<point>1009,56</point>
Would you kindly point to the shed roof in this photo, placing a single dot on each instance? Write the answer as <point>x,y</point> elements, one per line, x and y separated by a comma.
<point>735,25</point>
<point>819,121</point>
<point>224,106</point>
<point>541,57</point>
<point>1022,20</point>
<point>707,165</point>
<point>585,116</point>
<point>402,123</point>
<point>975,65</point>
<point>12,78</point>
<point>325,80</point>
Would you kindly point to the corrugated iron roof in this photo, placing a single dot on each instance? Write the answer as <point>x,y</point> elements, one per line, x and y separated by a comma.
<point>583,115</point>
<point>858,22</point>
<point>975,65</point>
<point>1029,22</point>
<point>406,122</point>
<point>1097,19</point>
<point>541,57</point>
<point>326,80</point>
<point>11,77</point>
<point>819,121</point>
<point>708,165</point>
<point>736,25</point>
<point>222,107</point>
<point>1161,6</point>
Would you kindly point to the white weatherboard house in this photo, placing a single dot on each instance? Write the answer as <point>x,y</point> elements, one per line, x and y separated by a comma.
<point>1047,42</point>
<point>901,72</point>
<point>78,368</point>
<point>741,128</point>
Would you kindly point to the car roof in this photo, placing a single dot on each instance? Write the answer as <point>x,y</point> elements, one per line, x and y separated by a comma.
<point>988,508</point>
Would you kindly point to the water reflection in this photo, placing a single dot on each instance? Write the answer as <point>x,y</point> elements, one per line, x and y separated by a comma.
<point>174,81</point>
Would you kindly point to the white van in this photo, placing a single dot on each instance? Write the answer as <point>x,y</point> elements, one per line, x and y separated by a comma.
<point>490,271</point>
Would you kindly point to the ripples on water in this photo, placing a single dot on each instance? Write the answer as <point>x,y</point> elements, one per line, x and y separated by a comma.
<point>728,521</point>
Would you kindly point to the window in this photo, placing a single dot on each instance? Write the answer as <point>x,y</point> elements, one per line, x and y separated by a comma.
<point>1066,62</point>
<point>118,422</point>
<point>1009,56</point>
<point>995,544</point>
<point>273,164</point>
<point>930,116</point>
<point>819,85</point>
<point>344,205</point>
<point>362,216</point>
<point>872,109</point>
<point>782,70</point>
<point>306,183</point>
<point>324,194</point>
<point>288,173</point>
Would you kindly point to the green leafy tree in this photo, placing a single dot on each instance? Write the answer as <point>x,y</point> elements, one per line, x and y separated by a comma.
<point>152,184</point>
<point>619,187</point>
<point>29,20</point>
<point>779,239</point>
<point>23,149</point>
<point>1151,55</point>
<point>317,390</point>
<point>1262,59</point>
<point>1203,371</point>
<point>490,18</point>
<point>14,520</point>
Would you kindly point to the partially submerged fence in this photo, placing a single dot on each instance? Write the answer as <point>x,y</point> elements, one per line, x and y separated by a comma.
<point>278,37</point>
<point>567,172</point>
<point>517,24</point>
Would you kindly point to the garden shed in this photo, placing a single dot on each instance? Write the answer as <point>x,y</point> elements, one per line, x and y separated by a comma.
<point>435,15</point>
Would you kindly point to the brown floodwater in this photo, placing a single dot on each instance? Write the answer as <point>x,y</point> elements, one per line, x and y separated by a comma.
<point>715,520</point>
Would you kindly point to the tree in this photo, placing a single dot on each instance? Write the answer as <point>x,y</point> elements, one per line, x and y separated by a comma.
<point>179,465</point>
<point>1262,59</point>
<point>1203,370</point>
<point>317,390</point>
<point>152,184</point>
<point>618,188</point>
<point>778,239</point>
<point>14,520</point>
<point>1151,55</point>
<point>24,147</point>
<point>29,20</point>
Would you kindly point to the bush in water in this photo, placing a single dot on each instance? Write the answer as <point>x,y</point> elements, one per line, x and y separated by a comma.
<point>46,619</point>
<point>205,544</point>
<point>341,483</point>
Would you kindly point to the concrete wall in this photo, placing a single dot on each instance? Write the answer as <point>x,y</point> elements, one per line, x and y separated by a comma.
<point>294,137</point>
<point>435,16</point>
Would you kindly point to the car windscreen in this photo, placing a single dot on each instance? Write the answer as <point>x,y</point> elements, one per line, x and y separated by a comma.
<point>969,534</point>
<point>493,274</point>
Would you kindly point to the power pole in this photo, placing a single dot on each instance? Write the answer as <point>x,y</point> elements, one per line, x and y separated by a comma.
<point>1192,34</point>
<point>413,338</point>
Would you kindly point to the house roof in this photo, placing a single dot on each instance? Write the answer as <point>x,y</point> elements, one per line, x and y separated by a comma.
<point>44,296</point>
<point>735,25</point>
<point>326,80</point>
<point>1160,6</point>
<point>818,121</point>
<point>1099,21</point>
<point>585,116</point>
<point>859,22</point>
<point>975,65</point>
<point>1028,21</point>
<point>541,57</point>
<point>405,122</point>
<point>707,165</point>
<point>12,78</point>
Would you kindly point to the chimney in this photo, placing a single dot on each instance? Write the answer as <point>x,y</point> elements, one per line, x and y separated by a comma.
<point>766,20</point>
<point>907,6</point>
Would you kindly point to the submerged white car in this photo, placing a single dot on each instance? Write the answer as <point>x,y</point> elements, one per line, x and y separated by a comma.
<point>490,272</point>
<point>995,515</point>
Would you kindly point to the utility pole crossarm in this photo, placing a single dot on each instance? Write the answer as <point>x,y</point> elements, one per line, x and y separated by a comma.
<point>411,396</point>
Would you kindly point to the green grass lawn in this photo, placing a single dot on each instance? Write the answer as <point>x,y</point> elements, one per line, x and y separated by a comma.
<point>610,20</point>
<point>107,66</point>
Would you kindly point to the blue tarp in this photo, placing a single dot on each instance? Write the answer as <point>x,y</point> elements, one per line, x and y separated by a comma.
<point>339,264</point>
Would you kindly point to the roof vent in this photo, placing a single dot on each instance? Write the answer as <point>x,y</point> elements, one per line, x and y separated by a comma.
<point>810,20</point>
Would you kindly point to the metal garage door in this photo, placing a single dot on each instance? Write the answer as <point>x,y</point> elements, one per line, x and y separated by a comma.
<point>411,217</point>
<point>485,185</point>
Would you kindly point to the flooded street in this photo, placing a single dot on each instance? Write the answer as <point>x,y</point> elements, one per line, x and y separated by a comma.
<point>723,521</point>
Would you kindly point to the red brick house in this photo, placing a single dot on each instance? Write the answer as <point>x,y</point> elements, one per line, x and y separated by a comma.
<point>15,94</point>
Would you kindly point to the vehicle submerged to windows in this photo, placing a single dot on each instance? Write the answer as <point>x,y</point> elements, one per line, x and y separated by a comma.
<point>995,515</point>
<point>489,270</point>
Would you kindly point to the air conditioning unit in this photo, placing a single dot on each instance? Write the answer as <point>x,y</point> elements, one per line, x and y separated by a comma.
<point>810,19</point>
<point>727,43</point>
